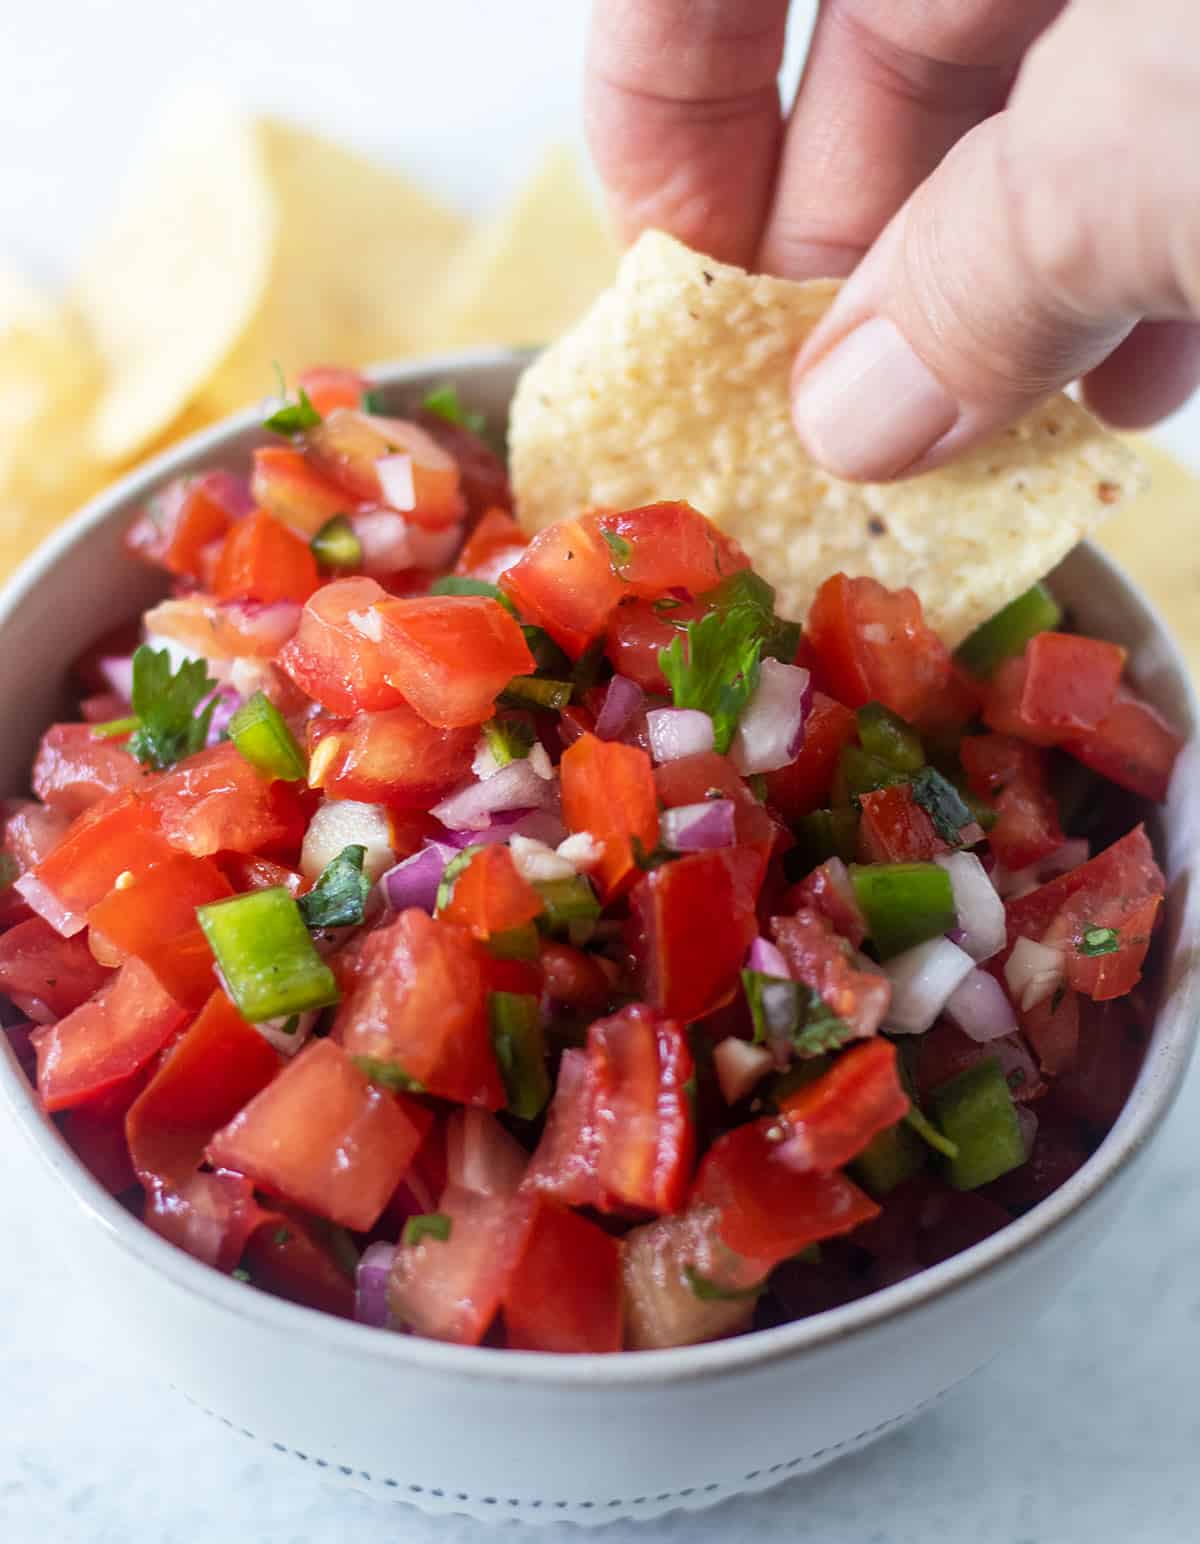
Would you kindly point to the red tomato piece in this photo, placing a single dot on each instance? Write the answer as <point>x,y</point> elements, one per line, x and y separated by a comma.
<point>636,635</point>
<point>895,829</point>
<point>107,1039</point>
<point>566,584</point>
<point>177,525</point>
<point>693,920</point>
<point>348,445</point>
<point>959,701</point>
<point>335,662</point>
<point>286,484</point>
<point>216,1067</point>
<point>640,1066</point>
<point>289,1254</point>
<point>827,890</point>
<point>490,896</point>
<point>874,646</point>
<point>450,1289</point>
<point>244,871</point>
<point>608,790</point>
<point>31,831</point>
<point>96,1134</point>
<point>44,973</point>
<point>74,769</point>
<point>154,919</point>
<point>496,535</point>
<point>265,561</point>
<point>1112,1040</point>
<point>451,655</point>
<point>768,1207</point>
<point>565,1164</point>
<point>836,1115</point>
<point>804,786</point>
<point>419,1002</point>
<point>564,1293</point>
<point>212,1217</point>
<point>332,386</point>
<point>1134,747</point>
<point>573,978</point>
<point>117,835</point>
<point>215,801</point>
<point>394,757</point>
<point>690,781</point>
<point>825,962</point>
<point>1105,975</point>
<point>1070,681</point>
<point>324,1137</point>
<point>670,546</point>
<point>1014,779</point>
<point>1052,1029</point>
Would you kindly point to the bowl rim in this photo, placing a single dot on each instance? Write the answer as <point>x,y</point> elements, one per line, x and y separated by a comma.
<point>1155,1090</point>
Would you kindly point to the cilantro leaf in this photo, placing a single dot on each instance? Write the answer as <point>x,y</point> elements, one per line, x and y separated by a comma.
<point>165,724</point>
<point>388,1074</point>
<point>508,739</point>
<point>1099,940</point>
<point>339,895</point>
<point>372,402</point>
<point>711,1292</point>
<point>443,400</point>
<point>462,584</point>
<point>294,417</point>
<point>782,1009</point>
<point>619,551</point>
<point>716,670</point>
<point>942,802</point>
<point>427,1225</point>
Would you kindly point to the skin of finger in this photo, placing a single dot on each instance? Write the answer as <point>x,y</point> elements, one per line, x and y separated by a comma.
<point>888,88</point>
<point>683,117</point>
<point>1152,373</point>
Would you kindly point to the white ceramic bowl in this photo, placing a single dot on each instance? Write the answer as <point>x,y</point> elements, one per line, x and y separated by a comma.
<point>503,1434</point>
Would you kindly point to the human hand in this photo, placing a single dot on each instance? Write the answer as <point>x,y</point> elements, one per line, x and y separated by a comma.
<point>1017,192</point>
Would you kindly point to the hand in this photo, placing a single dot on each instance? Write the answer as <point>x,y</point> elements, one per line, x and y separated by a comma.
<point>1015,185</point>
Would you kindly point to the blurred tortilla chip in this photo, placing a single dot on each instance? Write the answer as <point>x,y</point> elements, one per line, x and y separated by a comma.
<point>531,270</point>
<point>676,386</point>
<point>174,279</point>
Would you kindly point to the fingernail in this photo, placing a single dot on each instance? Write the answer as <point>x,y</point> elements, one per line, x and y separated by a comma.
<point>870,407</point>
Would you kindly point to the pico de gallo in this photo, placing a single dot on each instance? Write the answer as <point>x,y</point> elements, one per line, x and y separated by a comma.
<point>543,943</point>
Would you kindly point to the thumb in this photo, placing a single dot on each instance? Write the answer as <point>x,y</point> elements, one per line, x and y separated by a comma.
<point>1025,258</point>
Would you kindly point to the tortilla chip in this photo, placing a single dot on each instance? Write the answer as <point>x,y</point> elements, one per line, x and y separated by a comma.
<point>176,276</point>
<point>358,252</point>
<point>531,270</point>
<point>675,386</point>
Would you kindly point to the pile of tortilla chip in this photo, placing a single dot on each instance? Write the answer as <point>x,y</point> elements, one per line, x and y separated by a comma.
<point>240,243</point>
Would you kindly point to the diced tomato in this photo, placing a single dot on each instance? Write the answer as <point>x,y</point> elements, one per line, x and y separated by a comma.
<point>874,646</point>
<point>216,1067</point>
<point>608,790</point>
<point>490,896</point>
<point>45,974</point>
<point>1013,777</point>
<point>290,1255</point>
<point>768,1207</point>
<point>1070,681</point>
<point>225,629</point>
<point>1112,1044</point>
<point>332,386</point>
<point>835,1116</point>
<point>825,962</point>
<point>895,829</point>
<point>154,918</point>
<point>565,1163</point>
<point>31,831</point>
<point>573,978</point>
<point>105,1040</point>
<point>74,768</point>
<point>566,584</point>
<point>95,1132</point>
<point>482,474</point>
<point>215,801</point>
<point>1134,747</point>
<point>827,890</point>
<point>335,662</point>
<point>693,920</point>
<point>641,1065</point>
<point>638,632</point>
<point>1052,1029</point>
<point>670,546</point>
<point>245,871</point>
<point>393,757</point>
<point>690,781</point>
<point>564,1293</point>
<point>265,561</point>
<point>496,534</point>
<point>958,702</point>
<point>450,1289</point>
<point>180,522</point>
<point>419,1003</point>
<point>286,484</point>
<point>212,1217</point>
<point>324,1137</point>
<point>1103,976</point>
<point>804,785</point>
<point>451,655</point>
<point>348,445</point>
<point>117,835</point>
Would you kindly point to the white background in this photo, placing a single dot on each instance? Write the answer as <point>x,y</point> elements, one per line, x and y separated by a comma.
<point>1086,1430</point>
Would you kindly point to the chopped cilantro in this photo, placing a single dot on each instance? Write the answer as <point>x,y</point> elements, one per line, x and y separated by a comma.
<point>388,1074</point>
<point>619,551</point>
<point>290,1026</point>
<point>294,417</point>
<point>782,1009</point>
<point>746,588</point>
<point>547,656</point>
<point>461,584</point>
<point>1099,940</point>
<point>338,897</point>
<point>114,727</point>
<point>372,402</point>
<point>164,726</point>
<point>240,1273</point>
<point>717,669</point>
<point>942,802</point>
<point>508,739</point>
<point>427,1225</point>
<point>443,401</point>
<point>451,872</point>
<point>710,1292</point>
<point>666,603</point>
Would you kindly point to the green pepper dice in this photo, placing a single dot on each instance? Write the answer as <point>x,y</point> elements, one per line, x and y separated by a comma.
<point>904,903</point>
<point>976,1111</point>
<point>892,1156</point>
<point>266,955</point>
<point>886,736</point>
<point>536,692</point>
<point>517,1038</point>
<point>1007,633</point>
<point>264,739</point>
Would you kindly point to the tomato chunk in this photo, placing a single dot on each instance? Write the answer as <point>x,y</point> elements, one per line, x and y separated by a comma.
<point>45,974</point>
<point>828,890</point>
<point>324,1136</point>
<point>636,635</point>
<point>332,386</point>
<point>490,896</point>
<point>263,560</point>
<point>1070,681</point>
<point>483,476</point>
<point>225,629</point>
<point>393,757</point>
<point>566,1162</point>
<point>895,829</point>
<point>105,1040</point>
<point>1133,746</point>
<point>565,582</point>
<point>825,962</point>
<point>335,662</point>
<point>216,1067</point>
<point>419,1004</point>
<point>450,1289</point>
<point>496,537</point>
<point>803,786</point>
<point>694,919</point>
<point>74,769</point>
<point>608,790</point>
<point>1052,1029</point>
<point>451,655</point>
<point>212,1217</point>
<point>873,645</point>
<point>835,1116</point>
<point>215,801</point>
<point>564,1293</point>
<point>180,522</point>
<point>1013,777</point>
<point>95,1132</point>
<point>348,445</point>
<point>691,779</point>
<point>289,1255</point>
<point>665,546</point>
<point>286,484</point>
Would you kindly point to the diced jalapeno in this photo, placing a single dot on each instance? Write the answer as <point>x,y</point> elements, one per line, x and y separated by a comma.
<point>976,1111</point>
<point>1007,633</point>
<point>820,835</point>
<point>518,943</point>
<point>264,739</point>
<point>567,901</point>
<point>885,735</point>
<point>336,544</point>
<point>266,955</point>
<point>519,1044</point>
<point>892,1156</point>
<point>903,903</point>
<point>859,772</point>
<point>535,692</point>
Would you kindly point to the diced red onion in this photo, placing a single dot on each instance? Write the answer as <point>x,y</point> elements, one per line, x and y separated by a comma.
<point>1014,882</point>
<point>47,905</point>
<point>481,1156</point>
<point>923,978</point>
<point>765,958</point>
<point>370,1284</point>
<point>227,700</point>
<point>270,623</point>
<point>621,701</point>
<point>395,473</point>
<point>770,731</point>
<point>979,910</point>
<point>980,1008</point>
<point>230,491</point>
<point>739,1066</point>
<point>678,732</point>
<point>383,537</point>
<point>415,881</point>
<point>117,671</point>
<point>1028,1122</point>
<point>541,825</point>
<point>698,827</point>
<point>1033,972</point>
<point>516,786</point>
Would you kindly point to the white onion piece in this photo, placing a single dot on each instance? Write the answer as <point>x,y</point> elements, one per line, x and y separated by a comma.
<point>1034,972</point>
<point>980,1009</point>
<point>340,823</point>
<point>384,539</point>
<point>582,851</point>
<point>979,909</point>
<point>481,1156</point>
<point>395,475</point>
<point>117,671</point>
<point>678,732</point>
<point>537,862</point>
<point>698,827</point>
<point>770,731</point>
<point>922,980</point>
<point>516,786</point>
<point>273,1032</point>
<point>739,1066</point>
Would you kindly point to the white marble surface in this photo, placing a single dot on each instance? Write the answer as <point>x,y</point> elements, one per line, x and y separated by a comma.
<point>1085,1432</point>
